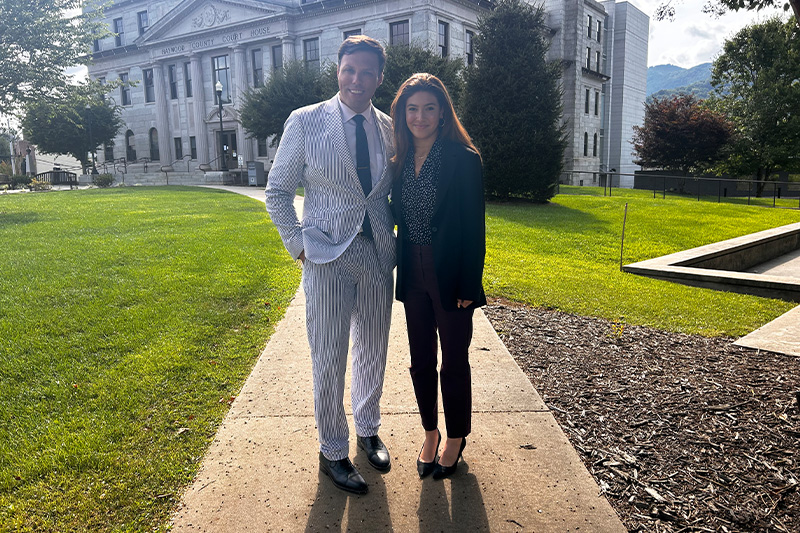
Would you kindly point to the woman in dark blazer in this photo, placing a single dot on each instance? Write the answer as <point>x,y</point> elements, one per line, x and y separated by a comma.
<point>437,201</point>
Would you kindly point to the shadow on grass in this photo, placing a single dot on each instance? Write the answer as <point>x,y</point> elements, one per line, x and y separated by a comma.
<point>16,219</point>
<point>545,216</point>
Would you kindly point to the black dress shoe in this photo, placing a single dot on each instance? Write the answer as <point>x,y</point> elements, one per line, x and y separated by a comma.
<point>441,472</point>
<point>377,454</point>
<point>343,474</point>
<point>425,469</point>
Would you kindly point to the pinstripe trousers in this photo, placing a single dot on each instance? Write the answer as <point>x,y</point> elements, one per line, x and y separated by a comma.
<point>350,297</point>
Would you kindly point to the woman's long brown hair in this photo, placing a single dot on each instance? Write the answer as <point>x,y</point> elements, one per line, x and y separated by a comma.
<point>451,130</point>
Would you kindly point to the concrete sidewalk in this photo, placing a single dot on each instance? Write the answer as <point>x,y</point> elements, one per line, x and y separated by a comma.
<point>520,472</point>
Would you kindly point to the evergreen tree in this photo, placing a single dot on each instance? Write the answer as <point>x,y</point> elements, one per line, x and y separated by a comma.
<point>512,103</point>
<point>403,61</point>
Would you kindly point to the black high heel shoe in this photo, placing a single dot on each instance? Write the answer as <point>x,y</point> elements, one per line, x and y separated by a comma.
<point>441,472</point>
<point>425,469</point>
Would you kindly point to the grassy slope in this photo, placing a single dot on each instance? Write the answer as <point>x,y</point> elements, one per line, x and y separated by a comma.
<point>125,316</point>
<point>566,255</point>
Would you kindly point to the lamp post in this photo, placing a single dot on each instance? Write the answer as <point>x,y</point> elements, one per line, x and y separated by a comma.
<point>223,166</point>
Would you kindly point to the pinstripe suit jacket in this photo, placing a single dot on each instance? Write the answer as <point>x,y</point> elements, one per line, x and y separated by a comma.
<point>313,153</point>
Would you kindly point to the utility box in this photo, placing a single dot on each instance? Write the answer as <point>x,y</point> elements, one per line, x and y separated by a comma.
<point>255,173</point>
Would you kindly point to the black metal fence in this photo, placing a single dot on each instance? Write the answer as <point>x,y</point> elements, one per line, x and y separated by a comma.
<point>58,177</point>
<point>782,192</point>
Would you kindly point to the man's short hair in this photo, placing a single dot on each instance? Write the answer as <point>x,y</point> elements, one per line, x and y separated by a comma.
<point>362,43</point>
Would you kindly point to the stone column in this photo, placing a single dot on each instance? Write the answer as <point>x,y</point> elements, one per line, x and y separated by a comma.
<point>238,75</point>
<point>162,115</point>
<point>240,85</point>
<point>288,49</point>
<point>200,133</point>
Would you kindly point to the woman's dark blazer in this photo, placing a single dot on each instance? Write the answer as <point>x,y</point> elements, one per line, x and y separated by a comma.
<point>458,228</point>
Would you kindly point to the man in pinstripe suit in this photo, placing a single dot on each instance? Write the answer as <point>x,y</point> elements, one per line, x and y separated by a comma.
<point>346,242</point>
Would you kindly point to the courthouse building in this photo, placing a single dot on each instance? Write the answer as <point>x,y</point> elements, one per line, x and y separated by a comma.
<point>177,50</point>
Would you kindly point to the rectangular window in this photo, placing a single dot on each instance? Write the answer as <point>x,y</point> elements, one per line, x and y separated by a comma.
<point>585,144</point>
<point>187,79</point>
<point>149,85</point>
<point>258,67</point>
<point>277,57</point>
<point>193,147</point>
<point>399,33</point>
<point>589,26</point>
<point>172,72</point>
<point>96,45</point>
<point>594,146</point>
<point>444,38</point>
<point>125,89</point>
<point>350,33</point>
<point>588,58</point>
<point>597,60</point>
<point>108,152</point>
<point>221,72</point>
<point>586,103</point>
<point>262,148</point>
<point>597,103</point>
<point>141,19</point>
<point>119,38</point>
<point>468,47</point>
<point>311,53</point>
<point>599,29</point>
<point>178,148</point>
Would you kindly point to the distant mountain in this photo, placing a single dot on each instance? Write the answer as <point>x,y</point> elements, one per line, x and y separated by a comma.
<point>671,79</point>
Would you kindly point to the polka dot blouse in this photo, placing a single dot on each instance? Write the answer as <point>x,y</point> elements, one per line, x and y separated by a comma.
<point>419,194</point>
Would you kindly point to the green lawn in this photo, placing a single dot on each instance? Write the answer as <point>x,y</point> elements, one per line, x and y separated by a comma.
<point>565,255</point>
<point>129,318</point>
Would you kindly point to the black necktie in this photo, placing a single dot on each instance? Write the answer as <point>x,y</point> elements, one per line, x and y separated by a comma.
<point>362,167</point>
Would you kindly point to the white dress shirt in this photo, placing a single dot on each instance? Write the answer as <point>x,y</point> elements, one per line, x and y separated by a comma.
<point>376,156</point>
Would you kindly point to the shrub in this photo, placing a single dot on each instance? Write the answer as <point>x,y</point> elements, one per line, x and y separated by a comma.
<point>20,182</point>
<point>103,180</point>
<point>36,185</point>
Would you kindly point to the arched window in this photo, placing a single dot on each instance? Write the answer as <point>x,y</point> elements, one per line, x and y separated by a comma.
<point>130,146</point>
<point>594,146</point>
<point>154,155</point>
<point>585,143</point>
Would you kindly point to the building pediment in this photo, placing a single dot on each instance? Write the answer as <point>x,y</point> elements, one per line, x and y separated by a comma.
<point>228,114</point>
<point>193,17</point>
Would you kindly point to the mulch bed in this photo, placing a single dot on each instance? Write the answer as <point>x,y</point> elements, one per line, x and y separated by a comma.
<point>681,432</point>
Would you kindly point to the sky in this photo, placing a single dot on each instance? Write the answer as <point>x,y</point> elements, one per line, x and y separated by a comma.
<point>693,37</point>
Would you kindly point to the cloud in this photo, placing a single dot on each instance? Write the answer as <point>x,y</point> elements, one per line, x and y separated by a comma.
<point>702,33</point>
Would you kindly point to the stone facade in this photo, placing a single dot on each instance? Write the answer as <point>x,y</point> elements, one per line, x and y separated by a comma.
<point>177,50</point>
<point>626,94</point>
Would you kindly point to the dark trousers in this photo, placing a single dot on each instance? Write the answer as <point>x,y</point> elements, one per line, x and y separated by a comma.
<point>425,317</point>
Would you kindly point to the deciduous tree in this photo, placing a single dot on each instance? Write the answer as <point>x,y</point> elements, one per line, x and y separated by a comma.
<point>38,40</point>
<point>756,79</point>
<point>266,109</point>
<point>75,125</point>
<point>720,7</point>
<point>679,133</point>
<point>512,103</point>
